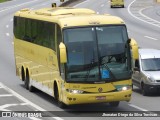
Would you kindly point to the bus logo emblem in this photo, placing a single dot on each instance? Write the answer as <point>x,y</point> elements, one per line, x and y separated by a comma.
<point>100,89</point>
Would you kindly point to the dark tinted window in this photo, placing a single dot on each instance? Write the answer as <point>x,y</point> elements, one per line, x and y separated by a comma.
<point>36,31</point>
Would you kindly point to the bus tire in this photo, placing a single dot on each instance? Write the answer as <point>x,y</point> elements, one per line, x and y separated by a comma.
<point>22,74</point>
<point>56,96</point>
<point>114,104</point>
<point>26,81</point>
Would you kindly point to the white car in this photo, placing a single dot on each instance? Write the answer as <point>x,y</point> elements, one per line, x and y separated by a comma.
<point>146,73</point>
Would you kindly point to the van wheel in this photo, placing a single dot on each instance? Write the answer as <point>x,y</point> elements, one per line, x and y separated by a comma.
<point>144,92</point>
<point>56,95</point>
<point>114,104</point>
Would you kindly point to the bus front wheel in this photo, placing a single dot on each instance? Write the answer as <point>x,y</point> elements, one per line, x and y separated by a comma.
<point>56,96</point>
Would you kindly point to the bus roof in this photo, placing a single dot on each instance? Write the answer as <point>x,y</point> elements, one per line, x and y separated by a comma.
<point>69,17</point>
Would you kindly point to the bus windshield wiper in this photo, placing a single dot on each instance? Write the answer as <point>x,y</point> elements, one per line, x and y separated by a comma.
<point>106,66</point>
<point>91,66</point>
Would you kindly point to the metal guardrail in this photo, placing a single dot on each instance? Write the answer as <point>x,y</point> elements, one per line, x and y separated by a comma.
<point>158,1</point>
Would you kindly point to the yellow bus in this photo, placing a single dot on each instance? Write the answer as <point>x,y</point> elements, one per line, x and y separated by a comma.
<point>117,3</point>
<point>74,55</point>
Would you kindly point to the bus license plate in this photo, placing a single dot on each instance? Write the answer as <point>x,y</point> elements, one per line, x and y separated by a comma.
<point>100,97</point>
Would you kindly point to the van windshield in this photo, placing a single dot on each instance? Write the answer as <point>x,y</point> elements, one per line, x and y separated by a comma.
<point>152,64</point>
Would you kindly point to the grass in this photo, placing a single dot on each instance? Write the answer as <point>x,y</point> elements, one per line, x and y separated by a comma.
<point>4,0</point>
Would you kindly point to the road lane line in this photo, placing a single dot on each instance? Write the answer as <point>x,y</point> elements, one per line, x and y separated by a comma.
<point>7,34</point>
<point>150,37</point>
<point>140,12</point>
<point>14,6</point>
<point>80,3</point>
<point>139,108</point>
<point>26,100</point>
<point>129,11</point>
<point>102,5</point>
<point>6,95</point>
<point>7,26</point>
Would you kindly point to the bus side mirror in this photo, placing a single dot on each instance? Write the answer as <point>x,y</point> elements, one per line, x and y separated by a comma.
<point>134,47</point>
<point>63,53</point>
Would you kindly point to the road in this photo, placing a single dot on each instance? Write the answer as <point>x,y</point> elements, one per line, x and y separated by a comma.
<point>142,26</point>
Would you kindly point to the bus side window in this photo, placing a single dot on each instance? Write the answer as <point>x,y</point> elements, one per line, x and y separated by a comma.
<point>21,28</point>
<point>52,35</point>
<point>34,30</point>
<point>27,35</point>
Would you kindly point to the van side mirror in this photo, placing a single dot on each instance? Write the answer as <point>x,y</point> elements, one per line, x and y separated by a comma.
<point>63,53</point>
<point>136,69</point>
<point>134,47</point>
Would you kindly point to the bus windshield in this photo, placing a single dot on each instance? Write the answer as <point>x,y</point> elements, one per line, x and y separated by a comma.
<point>99,53</point>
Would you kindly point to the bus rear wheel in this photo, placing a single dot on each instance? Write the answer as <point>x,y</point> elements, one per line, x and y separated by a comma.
<point>26,81</point>
<point>114,104</point>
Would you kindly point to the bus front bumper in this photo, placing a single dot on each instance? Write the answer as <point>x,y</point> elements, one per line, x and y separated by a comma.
<point>72,98</point>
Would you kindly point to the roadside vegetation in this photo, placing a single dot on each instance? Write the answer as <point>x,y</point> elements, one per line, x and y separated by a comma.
<point>4,0</point>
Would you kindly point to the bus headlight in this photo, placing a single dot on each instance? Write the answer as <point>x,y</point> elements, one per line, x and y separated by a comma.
<point>123,88</point>
<point>75,91</point>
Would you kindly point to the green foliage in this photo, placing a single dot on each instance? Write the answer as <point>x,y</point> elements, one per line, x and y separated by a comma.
<point>4,0</point>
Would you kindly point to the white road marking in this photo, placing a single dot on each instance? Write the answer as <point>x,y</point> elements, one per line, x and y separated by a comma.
<point>80,3</point>
<point>129,11</point>
<point>8,8</point>
<point>151,38</point>
<point>7,34</point>
<point>2,107</point>
<point>6,95</point>
<point>102,5</point>
<point>7,26</point>
<point>139,108</point>
<point>140,12</point>
<point>24,100</point>
<point>11,19</point>
<point>34,118</point>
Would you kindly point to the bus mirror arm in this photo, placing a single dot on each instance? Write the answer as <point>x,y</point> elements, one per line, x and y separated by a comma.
<point>63,53</point>
<point>134,47</point>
